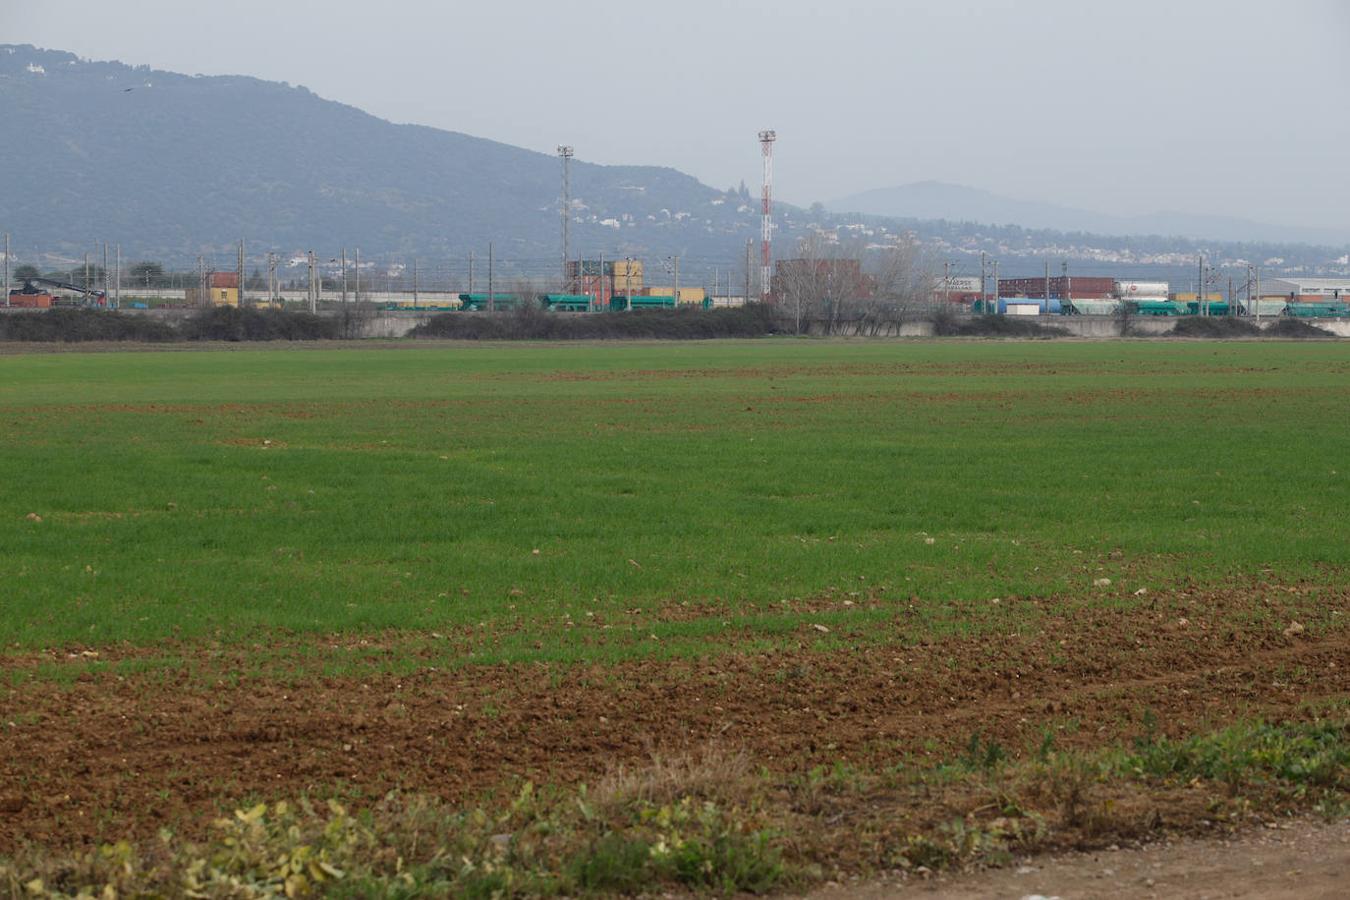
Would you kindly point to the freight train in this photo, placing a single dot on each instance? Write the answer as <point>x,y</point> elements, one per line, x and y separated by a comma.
<point>1031,306</point>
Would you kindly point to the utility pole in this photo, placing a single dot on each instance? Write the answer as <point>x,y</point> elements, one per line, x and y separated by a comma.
<point>492,296</point>
<point>117,280</point>
<point>357,277</point>
<point>6,268</point>
<point>1257,272</point>
<point>1047,286</point>
<point>946,283</point>
<point>105,273</point>
<point>984,284</point>
<point>201,280</point>
<point>1068,285</point>
<point>749,244</point>
<point>344,277</point>
<point>997,292</point>
<point>470,271</point>
<point>414,283</point>
<point>677,281</point>
<point>1200,297</point>
<point>86,270</point>
<point>565,152</point>
<point>240,272</point>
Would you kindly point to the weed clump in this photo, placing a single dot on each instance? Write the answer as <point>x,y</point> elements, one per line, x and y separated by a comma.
<point>79,325</point>
<point>228,323</point>
<point>947,324</point>
<point>540,844</point>
<point>532,323</point>
<point>1214,327</point>
<point>1297,329</point>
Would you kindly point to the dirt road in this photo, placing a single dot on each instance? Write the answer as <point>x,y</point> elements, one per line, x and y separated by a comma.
<point>1306,860</point>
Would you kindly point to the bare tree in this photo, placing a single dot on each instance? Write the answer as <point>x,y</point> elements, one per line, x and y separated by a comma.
<point>1125,314</point>
<point>902,286</point>
<point>823,283</point>
<point>850,287</point>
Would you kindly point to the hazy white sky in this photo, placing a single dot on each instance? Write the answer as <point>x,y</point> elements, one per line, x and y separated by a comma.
<point>1134,106</point>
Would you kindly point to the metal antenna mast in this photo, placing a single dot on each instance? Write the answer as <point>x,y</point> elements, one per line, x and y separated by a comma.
<point>565,152</point>
<point>766,139</point>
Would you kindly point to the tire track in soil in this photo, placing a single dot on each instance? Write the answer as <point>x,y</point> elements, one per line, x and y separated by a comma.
<point>112,756</point>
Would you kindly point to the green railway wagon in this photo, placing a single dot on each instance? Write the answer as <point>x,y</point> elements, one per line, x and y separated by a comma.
<point>1214,308</point>
<point>1331,309</point>
<point>621,303</point>
<point>1160,308</point>
<point>479,302</point>
<point>567,302</point>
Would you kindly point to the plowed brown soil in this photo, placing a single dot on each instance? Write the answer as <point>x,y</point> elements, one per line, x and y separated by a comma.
<point>110,756</point>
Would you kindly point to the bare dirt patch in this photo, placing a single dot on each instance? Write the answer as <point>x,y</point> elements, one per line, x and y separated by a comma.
<point>111,755</point>
<point>1299,860</point>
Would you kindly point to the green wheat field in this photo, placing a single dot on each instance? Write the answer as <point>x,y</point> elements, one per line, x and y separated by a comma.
<point>227,496</point>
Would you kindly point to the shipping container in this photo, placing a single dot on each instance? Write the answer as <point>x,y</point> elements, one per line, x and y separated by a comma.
<point>687,295</point>
<point>1192,296</point>
<point>1076,286</point>
<point>579,267</point>
<point>598,286</point>
<point>20,300</point>
<point>621,267</point>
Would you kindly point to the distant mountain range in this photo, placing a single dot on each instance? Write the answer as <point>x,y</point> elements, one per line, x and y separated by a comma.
<point>954,202</point>
<point>172,166</point>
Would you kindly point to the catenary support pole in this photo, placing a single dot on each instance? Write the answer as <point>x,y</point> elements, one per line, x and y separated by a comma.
<point>749,248</point>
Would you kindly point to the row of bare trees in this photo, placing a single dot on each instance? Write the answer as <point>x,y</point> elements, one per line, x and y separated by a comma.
<point>849,287</point>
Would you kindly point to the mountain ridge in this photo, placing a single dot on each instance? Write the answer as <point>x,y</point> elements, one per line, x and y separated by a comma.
<point>937,199</point>
<point>173,166</point>
<point>188,162</point>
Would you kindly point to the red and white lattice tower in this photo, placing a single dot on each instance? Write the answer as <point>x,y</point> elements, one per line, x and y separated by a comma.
<point>766,139</point>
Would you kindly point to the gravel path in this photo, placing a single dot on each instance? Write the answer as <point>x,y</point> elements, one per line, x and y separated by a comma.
<point>1305,860</point>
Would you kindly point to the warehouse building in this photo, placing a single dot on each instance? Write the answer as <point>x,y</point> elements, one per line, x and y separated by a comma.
<point>1306,289</point>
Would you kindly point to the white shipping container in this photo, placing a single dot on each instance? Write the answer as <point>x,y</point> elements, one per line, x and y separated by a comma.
<point>1024,309</point>
<point>1139,290</point>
